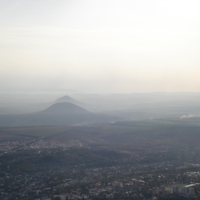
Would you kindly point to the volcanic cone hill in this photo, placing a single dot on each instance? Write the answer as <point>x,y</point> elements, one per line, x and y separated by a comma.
<point>64,108</point>
<point>63,113</point>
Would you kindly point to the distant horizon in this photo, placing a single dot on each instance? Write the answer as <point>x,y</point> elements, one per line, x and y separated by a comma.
<point>68,92</point>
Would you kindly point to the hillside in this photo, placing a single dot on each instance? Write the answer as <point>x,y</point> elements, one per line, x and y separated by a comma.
<point>64,113</point>
<point>64,108</point>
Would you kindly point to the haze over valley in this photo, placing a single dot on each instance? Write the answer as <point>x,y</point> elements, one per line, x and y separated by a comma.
<point>99,100</point>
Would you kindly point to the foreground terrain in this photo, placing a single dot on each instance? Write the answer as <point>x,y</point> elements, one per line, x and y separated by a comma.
<point>154,159</point>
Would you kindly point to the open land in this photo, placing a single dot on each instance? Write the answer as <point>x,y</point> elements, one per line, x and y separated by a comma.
<point>150,159</point>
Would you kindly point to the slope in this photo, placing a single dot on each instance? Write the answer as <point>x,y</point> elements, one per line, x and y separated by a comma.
<point>64,113</point>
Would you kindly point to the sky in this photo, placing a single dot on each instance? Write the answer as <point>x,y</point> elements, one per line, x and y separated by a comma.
<point>107,46</point>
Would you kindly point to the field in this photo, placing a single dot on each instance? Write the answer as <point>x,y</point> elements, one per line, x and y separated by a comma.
<point>131,133</point>
<point>34,131</point>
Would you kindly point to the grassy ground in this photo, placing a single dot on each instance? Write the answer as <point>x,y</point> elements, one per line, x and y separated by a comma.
<point>126,132</point>
<point>35,131</point>
<point>161,122</point>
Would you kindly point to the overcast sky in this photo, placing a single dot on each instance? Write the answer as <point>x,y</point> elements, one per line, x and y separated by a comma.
<point>99,46</point>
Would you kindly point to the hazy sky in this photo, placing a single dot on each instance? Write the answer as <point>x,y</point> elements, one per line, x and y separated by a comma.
<point>100,45</point>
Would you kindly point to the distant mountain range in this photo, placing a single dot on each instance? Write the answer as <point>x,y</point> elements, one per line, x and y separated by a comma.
<point>63,113</point>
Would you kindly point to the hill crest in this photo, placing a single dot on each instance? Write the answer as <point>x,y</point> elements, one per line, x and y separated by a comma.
<point>67,99</point>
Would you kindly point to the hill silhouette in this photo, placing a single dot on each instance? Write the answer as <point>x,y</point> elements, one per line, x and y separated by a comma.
<point>64,108</point>
<point>68,99</point>
<point>63,113</point>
